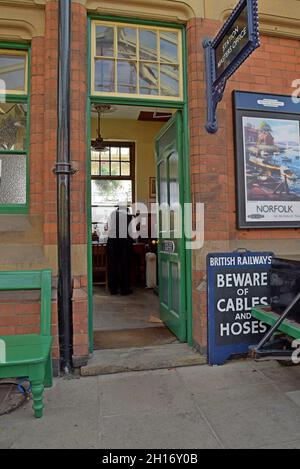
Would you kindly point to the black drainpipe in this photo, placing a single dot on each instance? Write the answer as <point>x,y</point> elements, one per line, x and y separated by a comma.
<point>64,171</point>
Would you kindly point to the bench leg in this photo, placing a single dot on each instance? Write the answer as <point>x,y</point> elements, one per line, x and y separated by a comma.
<point>49,373</point>
<point>37,387</point>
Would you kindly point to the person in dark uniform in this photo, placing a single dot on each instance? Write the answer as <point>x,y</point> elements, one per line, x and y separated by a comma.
<point>119,251</point>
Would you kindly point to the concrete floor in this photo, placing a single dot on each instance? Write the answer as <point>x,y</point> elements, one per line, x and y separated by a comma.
<point>240,405</point>
<point>124,312</point>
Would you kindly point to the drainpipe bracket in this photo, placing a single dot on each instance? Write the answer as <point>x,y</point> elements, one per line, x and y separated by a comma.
<point>64,168</point>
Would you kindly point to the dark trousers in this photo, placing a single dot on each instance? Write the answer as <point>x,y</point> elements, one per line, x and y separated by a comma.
<point>119,252</point>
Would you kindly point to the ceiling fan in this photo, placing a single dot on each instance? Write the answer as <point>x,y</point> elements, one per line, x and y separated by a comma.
<point>99,144</point>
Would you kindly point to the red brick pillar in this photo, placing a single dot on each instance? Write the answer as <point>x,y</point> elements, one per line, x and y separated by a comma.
<point>37,128</point>
<point>209,184</point>
<point>50,123</point>
<point>79,181</point>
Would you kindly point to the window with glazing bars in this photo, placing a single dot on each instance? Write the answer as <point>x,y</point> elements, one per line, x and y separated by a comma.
<point>141,61</point>
<point>113,181</point>
<point>13,130</point>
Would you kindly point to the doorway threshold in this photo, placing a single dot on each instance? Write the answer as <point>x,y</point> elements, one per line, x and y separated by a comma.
<point>113,361</point>
<point>128,338</point>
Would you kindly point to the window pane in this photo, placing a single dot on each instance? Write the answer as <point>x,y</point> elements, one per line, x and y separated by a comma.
<point>169,80</point>
<point>127,77</point>
<point>169,47</point>
<point>104,169</point>
<point>127,43</point>
<point>163,183</point>
<point>12,179</point>
<point>104,75</point>
<point>148,45</point>
<point>115,169</point>
<point>115,153</point>
<point>104,155</point>
<point>174,179</point>
<point>12,71</point>
<point>100,216</point>
<point>125,154</point>
<point>125,167</point>
<point>148,79</point>
<point>95,155</point>
<point>104,41</point>
<point>13,126</point>
<point>95,168</point>
<point>107,192</point>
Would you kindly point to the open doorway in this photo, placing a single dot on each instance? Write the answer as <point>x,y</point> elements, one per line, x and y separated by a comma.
<point>124,173</point>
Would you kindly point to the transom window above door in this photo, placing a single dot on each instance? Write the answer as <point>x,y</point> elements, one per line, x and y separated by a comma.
<point>136,61</point>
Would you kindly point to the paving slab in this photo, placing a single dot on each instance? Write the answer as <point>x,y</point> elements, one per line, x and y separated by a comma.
<point>140,359</point>
<point>231,375</point>
<point>132,393</point>
<point>250,416</point>
<point>157,430</point>
<point>72,393</point>
<point>294,396</point>
<point>60,427</point>
<point>286,379</point>
<point>288,445</point>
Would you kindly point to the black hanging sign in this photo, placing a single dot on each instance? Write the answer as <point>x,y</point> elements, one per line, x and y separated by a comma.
<point>237,39</point>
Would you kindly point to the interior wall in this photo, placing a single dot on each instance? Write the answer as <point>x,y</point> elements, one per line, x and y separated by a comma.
<point>143,134</point>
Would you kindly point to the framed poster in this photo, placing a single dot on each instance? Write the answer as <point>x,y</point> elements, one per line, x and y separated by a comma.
<point>267,147</point>
<point>152,188</point>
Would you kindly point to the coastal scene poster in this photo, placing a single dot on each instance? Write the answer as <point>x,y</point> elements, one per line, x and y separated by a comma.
<point>272,169</point>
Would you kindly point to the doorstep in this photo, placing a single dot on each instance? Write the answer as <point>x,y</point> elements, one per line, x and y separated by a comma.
<point>110,361</point>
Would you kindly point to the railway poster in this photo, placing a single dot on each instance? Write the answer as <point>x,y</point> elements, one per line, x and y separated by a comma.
<point>267,144</point>
<point>272,169</point>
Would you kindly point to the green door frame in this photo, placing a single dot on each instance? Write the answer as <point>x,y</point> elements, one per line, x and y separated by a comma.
<point>178,105</point>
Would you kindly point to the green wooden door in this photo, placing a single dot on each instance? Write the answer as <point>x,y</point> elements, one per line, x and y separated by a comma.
<point>171,247</point>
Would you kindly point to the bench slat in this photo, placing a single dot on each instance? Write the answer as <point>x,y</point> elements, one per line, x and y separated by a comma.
<point>288,327</point>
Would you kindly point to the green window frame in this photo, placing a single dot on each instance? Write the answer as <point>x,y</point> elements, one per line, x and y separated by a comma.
<point>16,101</point>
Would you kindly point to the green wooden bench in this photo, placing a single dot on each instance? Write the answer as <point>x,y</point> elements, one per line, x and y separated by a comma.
<point>288,327</point>
<point>29,355</point>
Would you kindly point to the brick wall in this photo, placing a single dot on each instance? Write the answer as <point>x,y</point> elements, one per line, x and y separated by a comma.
<point>272,68</point>
<point>21,316</point>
